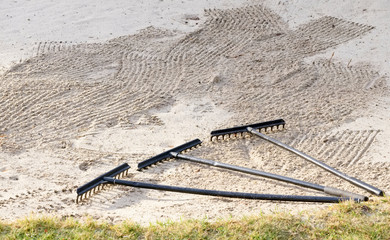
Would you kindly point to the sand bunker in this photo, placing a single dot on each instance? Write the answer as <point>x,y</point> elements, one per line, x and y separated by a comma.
<point>74,111</point>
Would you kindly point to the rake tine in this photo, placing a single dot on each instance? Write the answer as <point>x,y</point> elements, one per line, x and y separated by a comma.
<point>166,155</point>
<point>242,129</point>
<point>175,153</point>
<point>99,183</point>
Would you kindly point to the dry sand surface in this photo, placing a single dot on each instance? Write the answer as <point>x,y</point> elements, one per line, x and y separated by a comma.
<point>73,109</point>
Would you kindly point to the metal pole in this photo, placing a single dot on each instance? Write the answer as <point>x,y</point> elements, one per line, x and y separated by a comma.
<point>228,194</point>
<point>329,190</point>
<point>352,180</point>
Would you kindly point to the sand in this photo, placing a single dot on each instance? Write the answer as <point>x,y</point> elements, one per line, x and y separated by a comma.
<point>81,100</point>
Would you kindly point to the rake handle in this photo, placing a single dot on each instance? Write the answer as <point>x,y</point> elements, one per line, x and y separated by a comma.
<point>228,194</point>
<point>352,180</point>
<point>248,171</point>
<point>329,190</point>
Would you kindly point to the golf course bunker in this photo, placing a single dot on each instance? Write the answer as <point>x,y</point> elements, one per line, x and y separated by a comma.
<point>74,111</point>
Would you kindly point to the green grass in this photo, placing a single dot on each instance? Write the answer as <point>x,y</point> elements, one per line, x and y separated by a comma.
<point>369,220</point>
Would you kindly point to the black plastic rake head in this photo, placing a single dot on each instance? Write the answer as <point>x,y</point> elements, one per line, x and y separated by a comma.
<point>168,154</point>
<point>98,183</point>
<point>241,130</point>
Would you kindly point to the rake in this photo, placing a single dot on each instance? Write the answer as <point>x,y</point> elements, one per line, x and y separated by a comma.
<point>251,128</point>
<point>175,153</point>
<point>113,178</point>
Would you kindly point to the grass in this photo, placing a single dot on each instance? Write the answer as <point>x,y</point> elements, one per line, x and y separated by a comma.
<point>369,220</point>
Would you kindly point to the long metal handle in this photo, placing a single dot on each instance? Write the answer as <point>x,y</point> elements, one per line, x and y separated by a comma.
<point>228,194</point>
<point>352,180</point>
<point>329,190</point>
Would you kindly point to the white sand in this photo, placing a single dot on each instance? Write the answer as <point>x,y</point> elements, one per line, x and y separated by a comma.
<point>24,24</point>
<point>80,95</point>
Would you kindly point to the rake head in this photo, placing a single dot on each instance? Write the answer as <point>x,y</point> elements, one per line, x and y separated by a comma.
<point>168,154</point>
<point>86,190</point>
<point>241,130</point>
